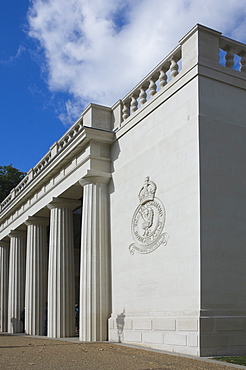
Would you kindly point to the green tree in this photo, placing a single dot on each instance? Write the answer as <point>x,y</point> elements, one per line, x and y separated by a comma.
<point>9,178</point>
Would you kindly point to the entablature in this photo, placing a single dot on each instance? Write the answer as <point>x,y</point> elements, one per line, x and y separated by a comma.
<point>88,151</point>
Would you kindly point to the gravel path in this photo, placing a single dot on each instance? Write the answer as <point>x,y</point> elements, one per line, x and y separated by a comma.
<point>24,352</point>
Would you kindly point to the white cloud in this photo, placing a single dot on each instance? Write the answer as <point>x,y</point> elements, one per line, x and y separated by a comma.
<point>97,50</point>
<point>72,111</point>
<point>21,49</point>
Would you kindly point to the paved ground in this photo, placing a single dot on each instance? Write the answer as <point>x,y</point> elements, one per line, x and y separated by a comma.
<point>24,352</point>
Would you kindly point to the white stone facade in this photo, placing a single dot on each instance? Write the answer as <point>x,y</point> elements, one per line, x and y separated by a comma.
<point>138,214</point>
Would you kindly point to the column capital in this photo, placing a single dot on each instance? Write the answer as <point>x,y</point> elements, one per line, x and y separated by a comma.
<point>16,233</point>
<point>35,220</point>
<point>95,178</point>
<point>63,203</point>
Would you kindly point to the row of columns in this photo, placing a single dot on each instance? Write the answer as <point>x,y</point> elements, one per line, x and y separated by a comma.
<point>34,279</point>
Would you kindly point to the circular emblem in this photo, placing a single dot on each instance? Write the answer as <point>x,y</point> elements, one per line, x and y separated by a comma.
<point>148,221</point>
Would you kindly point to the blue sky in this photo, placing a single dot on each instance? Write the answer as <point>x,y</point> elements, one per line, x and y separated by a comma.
<point>56,56</point>
<point>28,119</point>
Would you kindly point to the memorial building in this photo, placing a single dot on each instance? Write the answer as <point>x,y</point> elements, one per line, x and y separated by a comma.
<point>138,214</point>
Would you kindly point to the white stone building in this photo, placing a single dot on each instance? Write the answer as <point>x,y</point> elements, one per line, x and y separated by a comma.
<point>138,214</point>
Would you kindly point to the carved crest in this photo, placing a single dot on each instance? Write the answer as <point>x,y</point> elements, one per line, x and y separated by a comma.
<point>148,221</point>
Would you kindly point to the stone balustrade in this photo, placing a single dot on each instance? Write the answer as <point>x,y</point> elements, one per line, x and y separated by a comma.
<point>41,164</point>
<point>166,71</point>
<point>233,55</point>
<point>47,158</point>
<point>7,200</point>
<point>170,67</point>
<point>70,134</point>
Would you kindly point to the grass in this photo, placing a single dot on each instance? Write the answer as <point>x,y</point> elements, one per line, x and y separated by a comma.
<point>238,360</point>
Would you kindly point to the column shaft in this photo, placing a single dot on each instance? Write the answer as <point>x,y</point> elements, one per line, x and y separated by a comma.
<point>36,276</point>
<point>17,270</point>
<point>61,278</point>
<point>4,284</point>
<point>95,290</point>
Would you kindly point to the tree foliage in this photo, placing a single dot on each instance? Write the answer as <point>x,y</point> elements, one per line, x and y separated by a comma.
<point>9,178</point>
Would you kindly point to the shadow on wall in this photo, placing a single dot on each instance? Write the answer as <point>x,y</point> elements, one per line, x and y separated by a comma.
<point>16,324</point>
<point>120,322</point>
<point>115,153</point>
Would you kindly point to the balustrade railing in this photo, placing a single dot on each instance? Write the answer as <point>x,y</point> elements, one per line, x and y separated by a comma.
<point>166,71</point>
<point>21,185</point>
<point>41,164</point>
<point>55,149</point>
<point>233,55</point>
<point>6,201</point>
<point>70,134</point>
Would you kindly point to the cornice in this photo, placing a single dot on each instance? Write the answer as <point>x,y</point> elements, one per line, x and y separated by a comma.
<point>67,153</point>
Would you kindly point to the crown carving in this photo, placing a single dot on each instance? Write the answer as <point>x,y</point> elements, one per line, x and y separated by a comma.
<point>147,192</point>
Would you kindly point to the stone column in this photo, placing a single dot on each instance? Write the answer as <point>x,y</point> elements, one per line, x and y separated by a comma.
<point>36,275</point>
<point>61,278</point>
<point>95,291</point>
<point>4,285</point>
<point>17,272</point>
